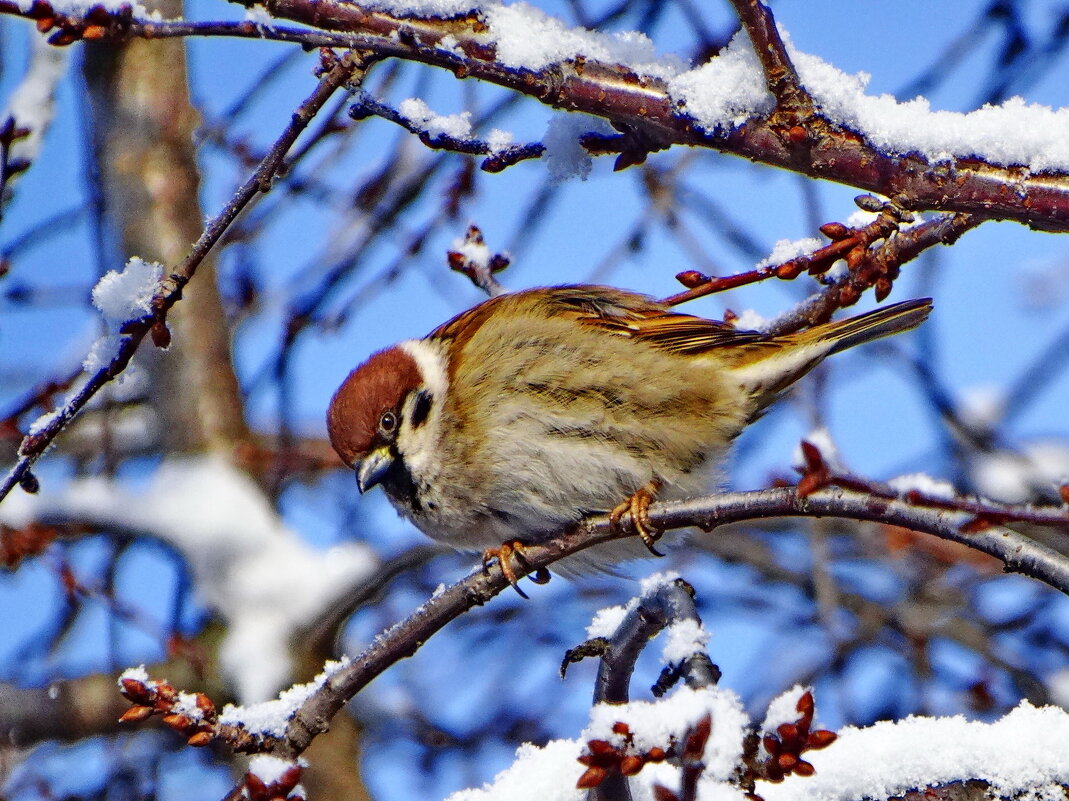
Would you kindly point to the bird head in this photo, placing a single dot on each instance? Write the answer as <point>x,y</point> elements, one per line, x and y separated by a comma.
<point>379,414</point>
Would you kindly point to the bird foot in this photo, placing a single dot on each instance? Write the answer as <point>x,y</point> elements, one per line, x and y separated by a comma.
<point>638,505</point>
<point>504,553</point>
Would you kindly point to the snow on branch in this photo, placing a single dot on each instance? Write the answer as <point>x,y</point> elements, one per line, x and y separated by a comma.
<point>1009,758</point>
<point>785,108</point>
<point>698,739</point>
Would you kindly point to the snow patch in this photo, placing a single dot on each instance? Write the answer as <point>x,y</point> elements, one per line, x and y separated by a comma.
<point>924,484</point>
<point>606,621</point>
<point>272,717</point>
<point>786,249</point>
<point>821,438</point>
<point>684,639</point>
<point>423,118</point>
<point>126,295</point>
<point>565,156</point>
<point>527,37</point>
<point>1014,754</point>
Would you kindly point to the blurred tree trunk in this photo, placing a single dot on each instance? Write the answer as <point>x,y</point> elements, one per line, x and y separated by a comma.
<point>142,123</point>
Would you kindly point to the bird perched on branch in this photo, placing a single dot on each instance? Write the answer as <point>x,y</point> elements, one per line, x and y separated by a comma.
<point>517,418</point>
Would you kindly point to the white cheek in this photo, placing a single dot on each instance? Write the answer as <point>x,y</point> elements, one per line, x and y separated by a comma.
<point>419,445</point>
<point>431,361</point>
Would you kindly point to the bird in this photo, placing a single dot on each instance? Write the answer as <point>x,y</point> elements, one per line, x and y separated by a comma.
<point>534,409</point>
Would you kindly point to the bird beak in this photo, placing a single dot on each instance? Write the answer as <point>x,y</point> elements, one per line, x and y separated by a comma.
<point>373,468</point>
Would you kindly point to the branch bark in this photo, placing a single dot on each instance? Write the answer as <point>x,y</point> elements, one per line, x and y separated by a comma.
<point>1017,552</point>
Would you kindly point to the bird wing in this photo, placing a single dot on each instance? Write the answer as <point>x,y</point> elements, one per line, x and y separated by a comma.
<point>625,314</point>
<point>646,320</point>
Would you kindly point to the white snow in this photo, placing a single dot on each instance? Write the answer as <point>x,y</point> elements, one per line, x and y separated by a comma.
<point>248,565</point>
<point>269,769</point>
<point>474,250</point>
<point>186,704</point>
<point>32,104</point>
<point>121,296</point>
<point>684,638</point>
<point>725,91</point>
<point>499,140</point>
<point>1015,754</point>
<point>272,717</point>
<point>750,320</point>
<point>783,708</point>
<point>887,759</point>
<point>549,773</point>
<point>259,15</point>
<point>860,218</point>
<point>1014,477</point>
<point>659,723</point>
<point>839,269</point>
<point>606,621</point>
<point>654,582</point>
<point>546,773</point>
<point>136,673</point>
<point>821,438</point>
<point>101,352</point>
<point>786,249</point>
<point>564,156</point>
<point>924,484</point>
<point>730,88</point>
<point>127,294</point>
<point>527,37</point>
<point>42,422</point>
<point>421,8</point>
<point>422,117</point>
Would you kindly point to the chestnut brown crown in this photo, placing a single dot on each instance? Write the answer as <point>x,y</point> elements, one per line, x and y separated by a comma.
<point>358,417</point>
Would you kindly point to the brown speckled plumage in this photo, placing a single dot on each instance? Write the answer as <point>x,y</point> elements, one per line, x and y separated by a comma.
<point>545,405</point>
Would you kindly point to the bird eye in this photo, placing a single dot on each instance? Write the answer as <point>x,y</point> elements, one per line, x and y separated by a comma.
<point>388,423</point>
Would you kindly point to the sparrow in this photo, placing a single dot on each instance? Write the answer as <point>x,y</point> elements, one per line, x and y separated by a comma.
<point>532,410</point>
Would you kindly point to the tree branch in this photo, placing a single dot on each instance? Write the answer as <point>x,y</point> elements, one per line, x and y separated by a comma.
<point>813,145</point>
<point>170,291</point>
<point>1018,553</point>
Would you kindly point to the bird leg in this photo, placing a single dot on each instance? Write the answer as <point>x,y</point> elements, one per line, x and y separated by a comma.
<point>503,554</point>
<point>639,507</point>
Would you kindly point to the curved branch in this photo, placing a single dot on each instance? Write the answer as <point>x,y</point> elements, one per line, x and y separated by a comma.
<point>1017,552</point>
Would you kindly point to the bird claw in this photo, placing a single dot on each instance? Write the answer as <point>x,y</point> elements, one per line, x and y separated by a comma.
<point>638,505</point>
<point>503,554</point>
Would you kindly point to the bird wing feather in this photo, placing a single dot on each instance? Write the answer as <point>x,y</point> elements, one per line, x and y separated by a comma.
<point>614,311</point>
<point>646,320</point>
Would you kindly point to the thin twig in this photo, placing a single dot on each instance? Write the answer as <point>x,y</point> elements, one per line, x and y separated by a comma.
<point>170,291</point>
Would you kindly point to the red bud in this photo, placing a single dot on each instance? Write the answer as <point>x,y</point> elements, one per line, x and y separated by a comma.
<point>592,777</point>
<point>135,714</point>
<point>201,739</point>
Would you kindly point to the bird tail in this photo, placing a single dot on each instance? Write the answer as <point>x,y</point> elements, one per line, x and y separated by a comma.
<point>771,365</point>
<point>894,319</point>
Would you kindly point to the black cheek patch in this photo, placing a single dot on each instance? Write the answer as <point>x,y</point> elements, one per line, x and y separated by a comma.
<point>422,409</point>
